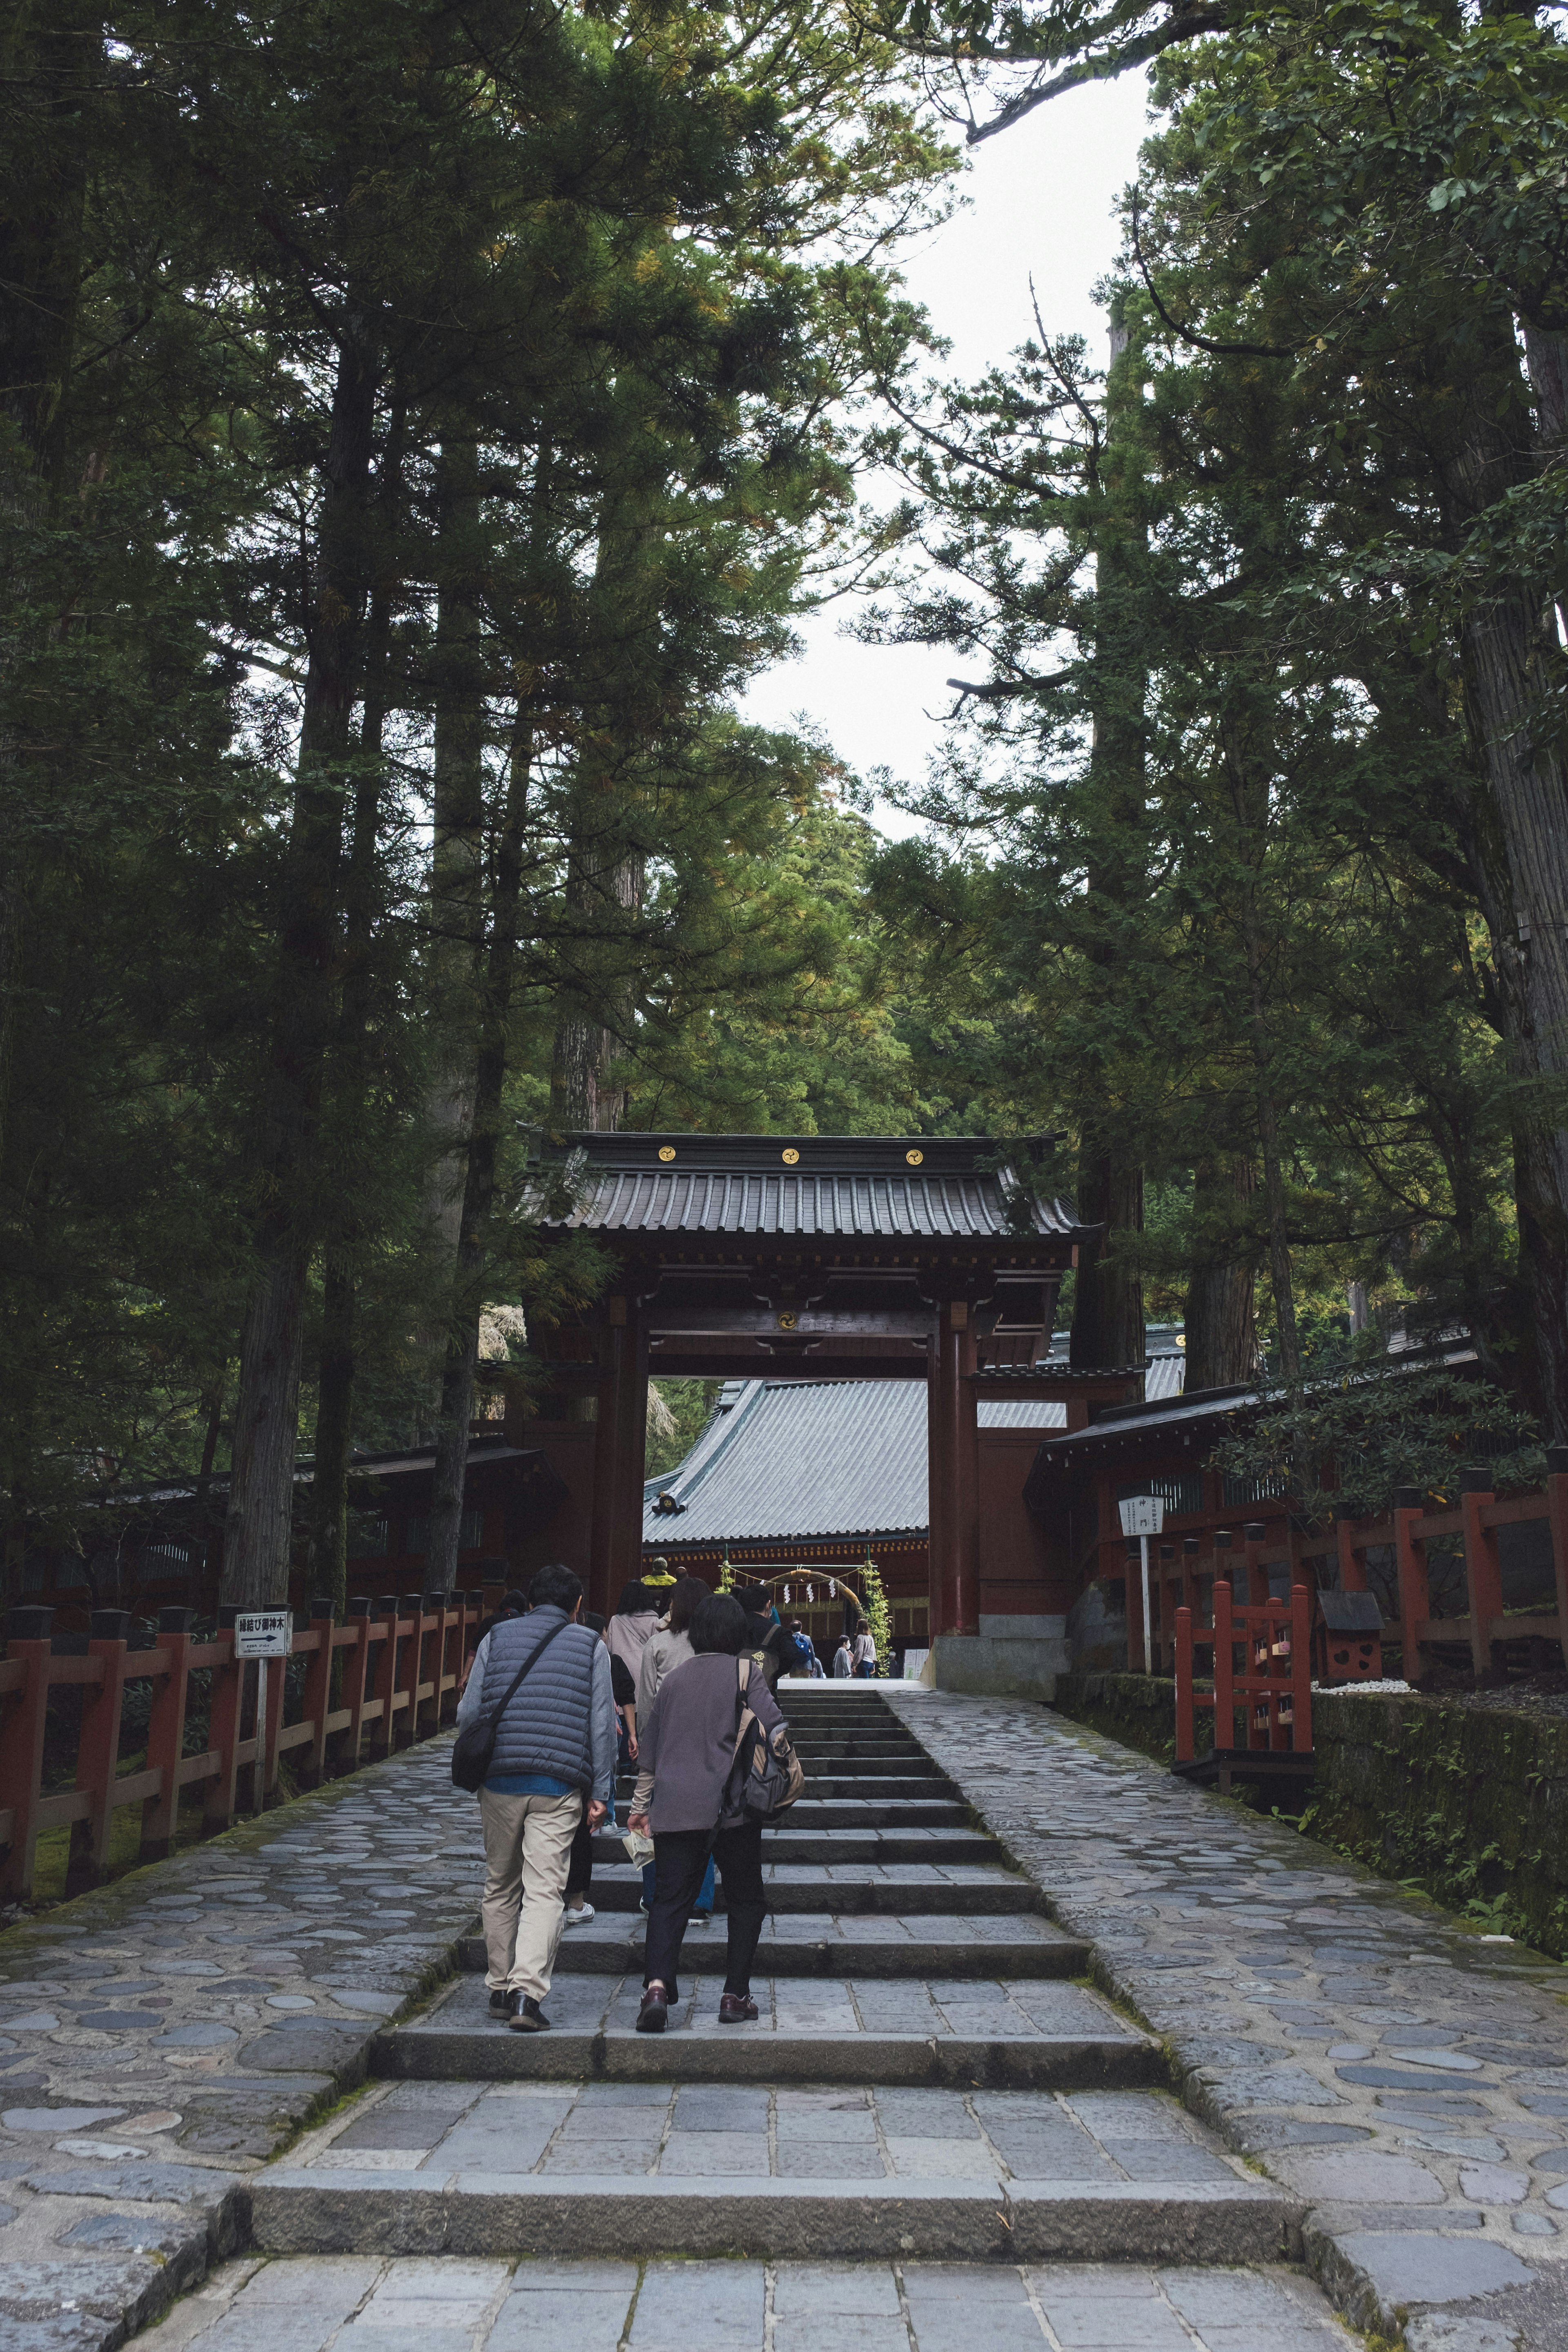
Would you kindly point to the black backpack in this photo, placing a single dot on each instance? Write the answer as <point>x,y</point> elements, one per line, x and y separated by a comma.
<point>766,1776</point>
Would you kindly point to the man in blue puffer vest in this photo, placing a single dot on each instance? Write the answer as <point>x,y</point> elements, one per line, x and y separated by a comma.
<point>554,1753</point>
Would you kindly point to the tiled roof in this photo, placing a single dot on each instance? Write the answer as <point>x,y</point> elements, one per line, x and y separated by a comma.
<point>781,1459</point>
<point>871,1187</point>
<point>798,1459</point>
<point>787,1459</point>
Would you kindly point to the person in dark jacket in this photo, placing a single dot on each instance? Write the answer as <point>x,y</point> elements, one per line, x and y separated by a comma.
<point>764,1636</point>
<point>688,1752</point>
<point>554,1753</point>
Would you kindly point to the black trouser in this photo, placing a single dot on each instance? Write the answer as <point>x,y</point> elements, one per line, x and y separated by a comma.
<point>580,1869</point>
<point>681,1858</point>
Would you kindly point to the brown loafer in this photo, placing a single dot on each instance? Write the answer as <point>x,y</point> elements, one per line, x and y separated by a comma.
<point>654,2013</point>
<point>737,2008</point>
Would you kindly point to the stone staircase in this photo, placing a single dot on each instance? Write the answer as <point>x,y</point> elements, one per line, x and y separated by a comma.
<point>930,2076</point>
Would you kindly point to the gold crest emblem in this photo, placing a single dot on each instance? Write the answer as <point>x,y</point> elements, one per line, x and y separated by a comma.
<point>790,1155</point>
<point>667,1150</point>
<point>914,1157</point>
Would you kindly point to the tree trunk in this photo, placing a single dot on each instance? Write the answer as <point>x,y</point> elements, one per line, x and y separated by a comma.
<point>456,914</point>
<point>1220,1318</point>
<point>581,1095</point>
<point>257,1532</point>
<point>50,66</point>
<point>478,1189</point>
<point>339,1365</point>
<point>334,1437</point>
<point>260,1526</point>
<point>1108,1291</point>
<point>1514,673</point>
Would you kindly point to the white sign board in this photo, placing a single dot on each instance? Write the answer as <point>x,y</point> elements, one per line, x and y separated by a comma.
<point>264,1633</point>
<point>1143,1515</point>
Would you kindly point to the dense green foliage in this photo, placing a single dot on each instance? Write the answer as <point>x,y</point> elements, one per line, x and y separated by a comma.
<point>1251,841</point>
<point>418,425</point>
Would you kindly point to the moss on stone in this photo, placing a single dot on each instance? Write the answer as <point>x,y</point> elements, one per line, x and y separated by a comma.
<point>1468,1804</point>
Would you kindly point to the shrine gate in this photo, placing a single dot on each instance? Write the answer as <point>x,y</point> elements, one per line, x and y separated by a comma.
<point>856,1257</point>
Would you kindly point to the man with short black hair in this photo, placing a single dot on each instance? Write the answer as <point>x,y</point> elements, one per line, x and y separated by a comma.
<point>554,1753</point>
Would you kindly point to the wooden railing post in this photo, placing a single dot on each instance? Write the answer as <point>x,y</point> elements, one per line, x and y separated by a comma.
<point>408,1678</point>
<point>1557,1521</point>
<point>1192,1576</point>
<point>99,1752</point>
<point>22,1718</point>
<point>1253,1536</point>
<point>1414,1590</point>
<point>453,1617</point>
<point>356,1669</point>
<point>318,1691</point>
<point>1186,1730</point>
<point>166,1736</point>
<point>386,1669</point>
<point>1223,1666</point>
<point>426,1713</point>
<point>223,1728</point>
<point>277,1692</point>
<point>1300,1669</point>
<point>1483,1578</point>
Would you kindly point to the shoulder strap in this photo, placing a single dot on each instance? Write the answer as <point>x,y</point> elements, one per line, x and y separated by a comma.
<point>528,1665</point>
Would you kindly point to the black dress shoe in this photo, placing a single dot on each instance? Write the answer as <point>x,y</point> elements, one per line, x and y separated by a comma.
<point>528,2017</point>
<point>503,2003</point>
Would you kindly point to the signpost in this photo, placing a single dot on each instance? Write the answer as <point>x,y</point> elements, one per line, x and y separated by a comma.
<point>1144,1516</point>
<point>263,1634</point>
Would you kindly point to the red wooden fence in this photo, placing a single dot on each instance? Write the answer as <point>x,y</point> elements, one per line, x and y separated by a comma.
<point>1271,1686</point>
<point>402,1662</point>
<point>1190,1557</point>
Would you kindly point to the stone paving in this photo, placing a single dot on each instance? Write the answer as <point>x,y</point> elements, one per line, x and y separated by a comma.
<point>440,2131</point>
<point>968,2006</point>
<point>357,2304</point>
<point>160,2037</point>
<point>1408,2077</point>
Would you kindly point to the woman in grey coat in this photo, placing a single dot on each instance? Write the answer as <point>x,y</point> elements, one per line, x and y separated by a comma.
<point>688,1753</point>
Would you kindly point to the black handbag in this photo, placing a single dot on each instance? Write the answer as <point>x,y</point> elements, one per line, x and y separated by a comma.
<point>475,1743</point>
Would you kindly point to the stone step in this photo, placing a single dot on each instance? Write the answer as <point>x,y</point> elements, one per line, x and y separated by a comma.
<point>836,1845</point>
<point>818,1811</point>
<point>965,1890</point>
<point>814,1944</point>
<point>1036,2034</point>
<point>828,2219</point>
<point>602,2303</point>
<point>819,1741</point>
<point>836,1780</point>
<point>876,1788</point>
<point>724,2167</point>
<point>850,1757</point>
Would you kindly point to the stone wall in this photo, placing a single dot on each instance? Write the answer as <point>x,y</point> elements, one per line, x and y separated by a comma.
<point>1470,1802</point>
<point>1138,1709</point>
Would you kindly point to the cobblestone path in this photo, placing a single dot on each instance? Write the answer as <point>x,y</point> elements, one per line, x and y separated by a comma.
<point>937,2121</point>
<point>1407,2078</point>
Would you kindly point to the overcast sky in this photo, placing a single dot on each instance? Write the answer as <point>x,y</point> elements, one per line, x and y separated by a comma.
<point>1040,200</point>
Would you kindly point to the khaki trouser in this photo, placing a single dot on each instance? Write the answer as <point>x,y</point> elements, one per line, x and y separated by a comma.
<point>527,1848</point>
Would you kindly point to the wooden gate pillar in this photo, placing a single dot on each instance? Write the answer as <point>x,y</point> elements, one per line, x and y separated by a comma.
<point>620,1452</point>
<point>953,1458</point>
